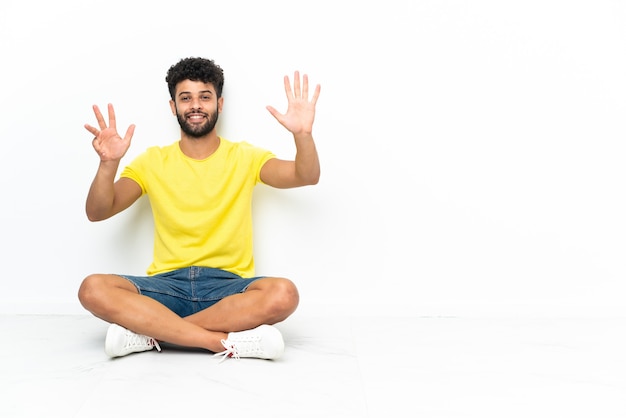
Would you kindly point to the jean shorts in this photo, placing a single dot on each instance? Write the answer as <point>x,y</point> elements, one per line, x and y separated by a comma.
<point>192,289</point>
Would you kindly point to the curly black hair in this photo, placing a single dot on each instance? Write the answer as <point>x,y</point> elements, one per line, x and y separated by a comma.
<point>195,69</point>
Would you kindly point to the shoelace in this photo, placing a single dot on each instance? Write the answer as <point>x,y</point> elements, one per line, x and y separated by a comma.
<point>244,347</point>
<point>230,351</point>
<point>137,340</point>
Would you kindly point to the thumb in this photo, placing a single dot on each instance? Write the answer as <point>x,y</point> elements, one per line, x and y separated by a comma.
<point>273,112</point>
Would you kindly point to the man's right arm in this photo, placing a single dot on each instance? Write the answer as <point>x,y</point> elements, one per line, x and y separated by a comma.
<point>106,197</point>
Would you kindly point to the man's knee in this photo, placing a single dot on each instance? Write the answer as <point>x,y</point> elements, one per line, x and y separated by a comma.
<point>94,289</point>
<point>284,298</point>
<point>88,290</point>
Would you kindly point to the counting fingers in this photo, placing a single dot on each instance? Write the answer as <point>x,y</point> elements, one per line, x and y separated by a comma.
<point>296,85</point>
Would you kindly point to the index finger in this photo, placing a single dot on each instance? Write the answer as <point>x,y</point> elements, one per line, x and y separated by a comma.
<point>99,118</point>
<point>288,90</point>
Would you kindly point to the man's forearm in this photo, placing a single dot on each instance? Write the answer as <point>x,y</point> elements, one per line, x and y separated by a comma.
<point>307,159</point>
<point>102,192</point>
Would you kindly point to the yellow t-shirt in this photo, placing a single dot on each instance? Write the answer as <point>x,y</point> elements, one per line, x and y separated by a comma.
<point>202,208</point>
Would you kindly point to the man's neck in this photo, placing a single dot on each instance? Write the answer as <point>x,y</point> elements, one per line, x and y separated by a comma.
<point>199,148</point>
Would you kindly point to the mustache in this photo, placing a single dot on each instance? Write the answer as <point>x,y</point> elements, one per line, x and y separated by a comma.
<point>196,112</point>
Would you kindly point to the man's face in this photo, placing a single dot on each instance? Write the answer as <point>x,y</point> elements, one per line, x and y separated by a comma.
<point>196,107</point>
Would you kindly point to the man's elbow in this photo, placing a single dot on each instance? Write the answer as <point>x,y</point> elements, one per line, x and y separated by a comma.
<point>95,216</point>
<point>312,179</point>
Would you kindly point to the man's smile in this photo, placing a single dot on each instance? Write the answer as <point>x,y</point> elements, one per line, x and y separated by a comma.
<point>196,117</point>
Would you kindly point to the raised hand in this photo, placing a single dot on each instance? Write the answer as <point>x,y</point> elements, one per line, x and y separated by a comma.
<point>109,145</point>
<point>300,110</point>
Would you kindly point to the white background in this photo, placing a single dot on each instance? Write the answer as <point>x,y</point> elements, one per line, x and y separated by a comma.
<point>472,151</point>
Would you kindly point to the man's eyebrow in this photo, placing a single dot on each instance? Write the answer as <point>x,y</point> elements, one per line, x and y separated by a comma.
<point>201,92</point>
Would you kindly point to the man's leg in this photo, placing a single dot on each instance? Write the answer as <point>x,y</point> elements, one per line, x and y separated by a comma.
<point>116,300</point>
<point>265,301</point>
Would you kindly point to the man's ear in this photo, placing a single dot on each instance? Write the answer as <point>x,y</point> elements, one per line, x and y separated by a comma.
<point>173,107</point>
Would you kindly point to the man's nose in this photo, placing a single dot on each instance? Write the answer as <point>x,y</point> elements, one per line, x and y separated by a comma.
<point>195,103</point>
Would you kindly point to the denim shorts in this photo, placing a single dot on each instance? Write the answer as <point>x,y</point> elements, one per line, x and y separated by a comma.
<point>192,289</point>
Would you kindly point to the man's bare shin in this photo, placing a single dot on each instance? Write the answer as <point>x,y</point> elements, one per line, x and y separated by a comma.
<point>116,300</point>
<point>266,301</point>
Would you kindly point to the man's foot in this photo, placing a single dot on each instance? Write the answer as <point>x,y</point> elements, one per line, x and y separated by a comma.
<point>120,342</point>
<point>263,342</point>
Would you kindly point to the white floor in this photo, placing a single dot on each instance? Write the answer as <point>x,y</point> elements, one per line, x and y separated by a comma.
<point>55,366</point>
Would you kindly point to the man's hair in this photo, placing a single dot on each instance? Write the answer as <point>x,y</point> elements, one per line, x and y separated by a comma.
<point>195,69</point>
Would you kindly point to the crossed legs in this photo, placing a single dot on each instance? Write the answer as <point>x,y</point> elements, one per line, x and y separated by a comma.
<point>116,300</point>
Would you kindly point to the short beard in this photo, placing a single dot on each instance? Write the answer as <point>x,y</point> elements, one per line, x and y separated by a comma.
<point>198,131</point>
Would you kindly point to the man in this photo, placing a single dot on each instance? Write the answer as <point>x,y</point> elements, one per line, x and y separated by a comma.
<point>200,290</point>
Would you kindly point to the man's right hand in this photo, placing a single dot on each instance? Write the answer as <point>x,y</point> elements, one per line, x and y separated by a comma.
<point>109,145</point>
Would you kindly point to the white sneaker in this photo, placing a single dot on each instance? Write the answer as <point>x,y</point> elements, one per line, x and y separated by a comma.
<point>263,342</point>
<point>120,342</point>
